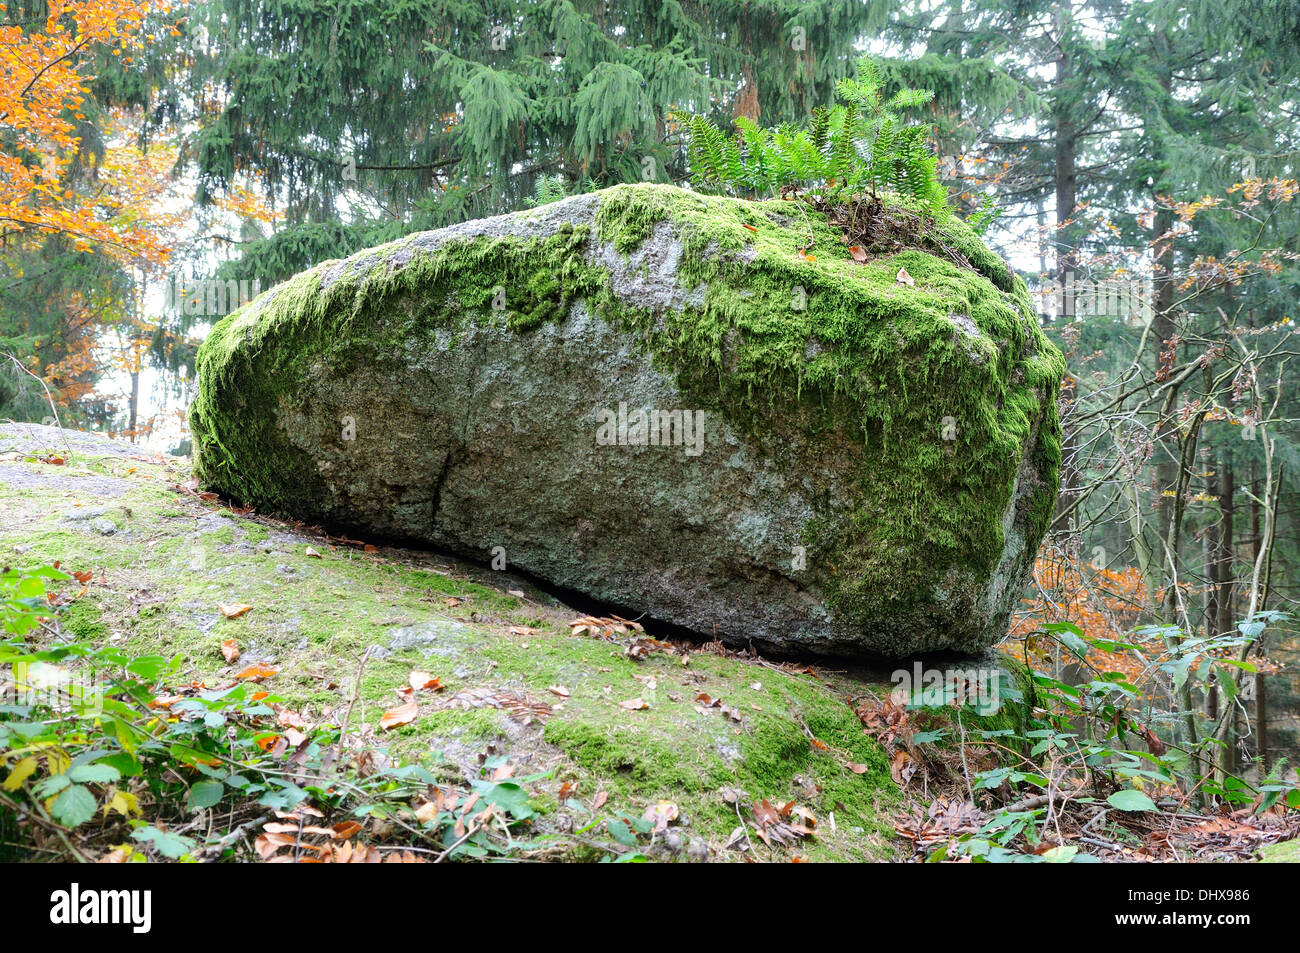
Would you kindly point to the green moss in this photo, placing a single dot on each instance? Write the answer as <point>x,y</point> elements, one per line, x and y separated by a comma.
<point>83,620</point>
<point>254,532</point>
<point>1283,852</point>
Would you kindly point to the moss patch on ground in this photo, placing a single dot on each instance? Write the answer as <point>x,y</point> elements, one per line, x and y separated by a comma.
<point>1283,852</point>
<point>173,557</point>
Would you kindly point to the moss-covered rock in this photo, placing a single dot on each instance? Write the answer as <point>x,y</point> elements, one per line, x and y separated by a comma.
<point>850,462</point>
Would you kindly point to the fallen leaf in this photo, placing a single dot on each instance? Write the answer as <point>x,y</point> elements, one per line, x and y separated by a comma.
<point>313,554</point>
<point>345,829</point>
<point>233,610</point>
<point>661,814</point>
<point>230,650</point>
<point>256,673</point>
<point>422,681</point>
<point>599,802</point>
<point>559,690</point>
<point>633,704</point>
<point>401,715</point>
<point>83,577</point>
<point>903,278</point>
<point>902,769</point>
<point>858,252</point>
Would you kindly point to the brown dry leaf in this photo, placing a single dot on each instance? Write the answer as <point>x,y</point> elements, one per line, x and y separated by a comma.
<point>858,252</point>
<point>903,278</point>
<point>370,549</point>
<point>661,814</point>
<point>521,630</point>
<point>750,227</point>
<point>401,715</point>
<point>208,496</point>
<point>404,857</point>
<point>117,855</point>
<point>819,745</point>
<point>83,577</point>
<point>520,709</point>
<point>312,553</point>
<point>233,610</point>
<point>345,829</point>
<point>634,704</point>
<point>857,768</point>
<point>599,802</point>
<point>255,673</point>
<point>604,628</point>
<point>559,690</point>
<point>291,719</point>
<point>1156,746</point>
<point>230,650</point>
<point>901,768</point>
<point>267,845</point>
<point>423,681</point>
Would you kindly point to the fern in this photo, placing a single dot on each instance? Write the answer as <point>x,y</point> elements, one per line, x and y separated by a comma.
<point>860,143</point>
<point>548,189</point>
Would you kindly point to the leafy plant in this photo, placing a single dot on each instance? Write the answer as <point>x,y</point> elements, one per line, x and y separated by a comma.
<point>861,143</point>
<point>1099,747</point>
<point>97,751</point>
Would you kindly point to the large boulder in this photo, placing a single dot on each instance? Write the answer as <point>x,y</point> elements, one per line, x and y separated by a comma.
<point>657,400</point>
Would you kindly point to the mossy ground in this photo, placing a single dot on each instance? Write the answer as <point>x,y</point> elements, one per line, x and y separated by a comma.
<point>159,577</point>
<point>791,332</point>
<point>1283,852</point>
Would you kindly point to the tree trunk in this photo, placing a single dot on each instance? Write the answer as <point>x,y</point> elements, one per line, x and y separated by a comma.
<point>1066,174</point>
<point>135,403</point>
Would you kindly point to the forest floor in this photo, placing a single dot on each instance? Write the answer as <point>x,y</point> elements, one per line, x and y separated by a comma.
<point>722,755</point>
<point>614,722</point>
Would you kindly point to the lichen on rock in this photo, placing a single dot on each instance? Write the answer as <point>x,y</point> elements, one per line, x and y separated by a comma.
<point>879,459</point>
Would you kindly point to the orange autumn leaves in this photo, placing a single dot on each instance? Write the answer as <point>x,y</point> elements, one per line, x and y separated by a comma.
<point>1106,603</point>
<point>44,80</point>
<point>409,710</point>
